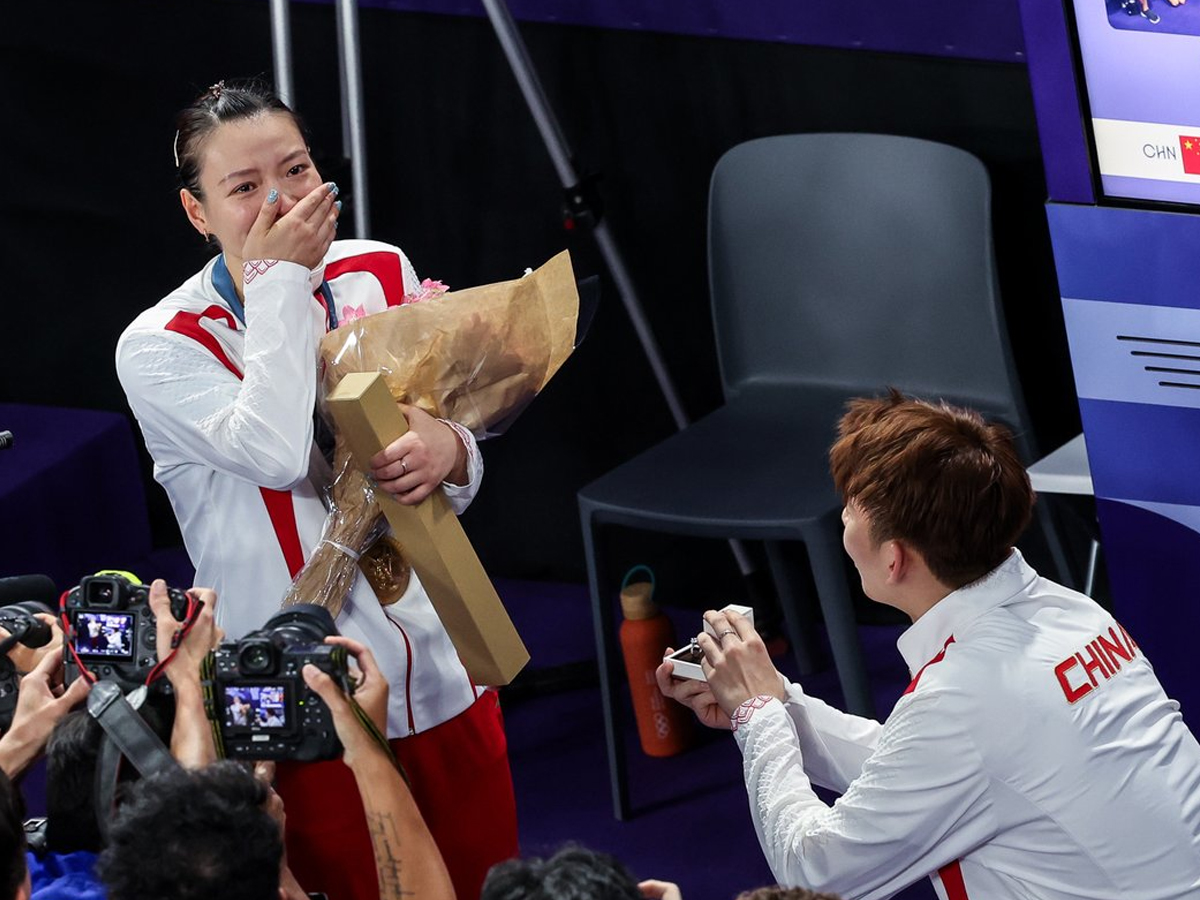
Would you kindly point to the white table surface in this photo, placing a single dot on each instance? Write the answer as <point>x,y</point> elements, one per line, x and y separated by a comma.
<point>1065,471</point>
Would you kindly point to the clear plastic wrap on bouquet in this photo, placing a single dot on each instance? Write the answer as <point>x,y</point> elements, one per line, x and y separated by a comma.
<point>353,525</point>
<point>477,357</point>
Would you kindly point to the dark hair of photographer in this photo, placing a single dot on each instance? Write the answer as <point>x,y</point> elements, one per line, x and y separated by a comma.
<point>71,755</point>
<point>573,873</point>
<point>13,872</point>
<point>775,892</point>
<point>70,777</point>
<point>206,832</point>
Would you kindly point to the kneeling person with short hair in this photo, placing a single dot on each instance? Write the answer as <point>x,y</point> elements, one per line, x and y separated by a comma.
<point>1034,753</point>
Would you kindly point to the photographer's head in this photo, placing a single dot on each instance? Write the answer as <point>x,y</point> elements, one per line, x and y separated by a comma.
<point>930,478</point>
<point>207,832</point>
<point>14,874</point>
<point>573,873</point>
<point>70,784</point>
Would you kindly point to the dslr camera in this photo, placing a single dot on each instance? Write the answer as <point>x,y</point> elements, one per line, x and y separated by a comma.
<point>111,630</point>
<point>18,620</point>
<point>256,697</point>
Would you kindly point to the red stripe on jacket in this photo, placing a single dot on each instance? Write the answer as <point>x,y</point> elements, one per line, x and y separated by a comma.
<point>952,881</point>
<point>279,503</point>
<point>383,265</point>
<point>188,324</point>
<point>951,873</point>
<point>912,685</point>
<point>412,727</point>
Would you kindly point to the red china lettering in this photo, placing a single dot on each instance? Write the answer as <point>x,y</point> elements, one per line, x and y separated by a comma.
<point>1101,654</point>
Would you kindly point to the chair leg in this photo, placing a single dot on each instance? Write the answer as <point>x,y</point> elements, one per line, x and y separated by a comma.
<point>605,626</point>
<point>829,571</point>
<point>783,570</point>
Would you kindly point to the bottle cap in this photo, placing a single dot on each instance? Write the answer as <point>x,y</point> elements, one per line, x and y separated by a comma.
<point>636,602</point>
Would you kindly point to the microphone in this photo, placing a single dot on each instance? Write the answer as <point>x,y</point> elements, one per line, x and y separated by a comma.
<point>6,440</point>
<point>21,588</point>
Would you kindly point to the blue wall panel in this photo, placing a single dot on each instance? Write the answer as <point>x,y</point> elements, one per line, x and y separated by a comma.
<point>1130,283</point>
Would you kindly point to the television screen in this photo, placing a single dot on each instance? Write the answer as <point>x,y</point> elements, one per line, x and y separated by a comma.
<point>1141,72</point>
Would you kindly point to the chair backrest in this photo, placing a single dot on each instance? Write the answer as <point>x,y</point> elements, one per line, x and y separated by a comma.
<point>858,261</point>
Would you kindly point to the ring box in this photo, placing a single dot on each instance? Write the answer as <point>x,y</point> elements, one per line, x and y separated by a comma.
<point>687,662</point>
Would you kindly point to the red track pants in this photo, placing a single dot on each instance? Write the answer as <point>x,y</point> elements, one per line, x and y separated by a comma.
<point>462,785</point>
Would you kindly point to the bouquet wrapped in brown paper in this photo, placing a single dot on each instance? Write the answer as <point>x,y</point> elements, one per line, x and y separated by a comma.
<point>477,357</point>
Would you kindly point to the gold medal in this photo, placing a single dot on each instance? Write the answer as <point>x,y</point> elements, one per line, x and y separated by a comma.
<point>386,569</point>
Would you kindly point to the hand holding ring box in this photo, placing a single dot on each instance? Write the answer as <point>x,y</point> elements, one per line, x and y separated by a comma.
<point>687,660</point>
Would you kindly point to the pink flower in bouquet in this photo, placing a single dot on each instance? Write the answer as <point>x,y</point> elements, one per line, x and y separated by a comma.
<point>350,313</point>
<point>429,290</point>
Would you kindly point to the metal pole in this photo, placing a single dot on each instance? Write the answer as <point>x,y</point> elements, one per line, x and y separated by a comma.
<point>560,154</point>
<point>353,130</point>
<point>552,136</point>
<point>281,44</point>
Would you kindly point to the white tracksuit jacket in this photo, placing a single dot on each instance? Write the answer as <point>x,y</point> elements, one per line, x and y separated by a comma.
<point>1034,756</point>
<point>226,411</point>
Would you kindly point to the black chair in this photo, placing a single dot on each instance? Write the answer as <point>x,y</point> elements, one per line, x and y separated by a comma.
<point>839,264</point>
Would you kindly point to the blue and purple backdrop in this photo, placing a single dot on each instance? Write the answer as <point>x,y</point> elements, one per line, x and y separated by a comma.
<point>1129,290</point>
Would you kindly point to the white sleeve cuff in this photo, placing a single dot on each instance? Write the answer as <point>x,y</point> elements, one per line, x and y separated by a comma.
<point>460,495</point>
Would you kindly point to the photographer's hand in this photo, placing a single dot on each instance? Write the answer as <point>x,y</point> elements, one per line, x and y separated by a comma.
<point>371,694</point>
<point>39,707</point>
<point>183,668</point>
<point>191,736</point>
<point>371,691</point>
<point>400,839</point>
<point>692,693</point>
<point>25,658</point>
<point>660,890</point>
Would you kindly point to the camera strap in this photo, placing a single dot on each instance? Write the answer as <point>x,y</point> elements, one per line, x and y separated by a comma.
<point>127,736</point>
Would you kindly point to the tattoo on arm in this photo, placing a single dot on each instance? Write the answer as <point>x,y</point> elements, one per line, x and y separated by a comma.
<point>385,841</point>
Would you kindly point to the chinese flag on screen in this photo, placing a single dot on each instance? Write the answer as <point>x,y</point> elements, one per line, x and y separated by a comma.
<point>1189,146</point>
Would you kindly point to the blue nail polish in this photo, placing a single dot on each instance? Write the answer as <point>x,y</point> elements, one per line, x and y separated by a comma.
<point>338,204</point>
<point>333,188</point>
<point>272,195</point>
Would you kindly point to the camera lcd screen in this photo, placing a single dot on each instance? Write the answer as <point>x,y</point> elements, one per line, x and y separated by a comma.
<point>256,707</point>
<point>104,635</point>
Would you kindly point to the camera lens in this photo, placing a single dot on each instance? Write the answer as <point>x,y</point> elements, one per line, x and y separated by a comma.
<point>18,619</point>
<point>256,658</point>
<point>301,624</point>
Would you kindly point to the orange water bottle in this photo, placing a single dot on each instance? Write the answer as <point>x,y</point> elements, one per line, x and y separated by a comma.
<point>664,726</point>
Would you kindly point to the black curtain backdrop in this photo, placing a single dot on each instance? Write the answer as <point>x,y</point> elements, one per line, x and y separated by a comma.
<point>92,230</point>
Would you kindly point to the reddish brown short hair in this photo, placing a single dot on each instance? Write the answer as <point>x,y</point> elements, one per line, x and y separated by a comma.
<point>935,476</point>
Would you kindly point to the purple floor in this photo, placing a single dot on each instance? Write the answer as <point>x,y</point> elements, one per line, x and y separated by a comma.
<point>691,822</point>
